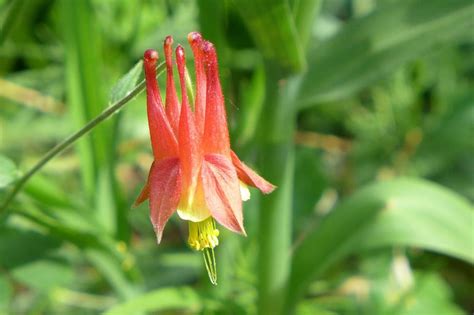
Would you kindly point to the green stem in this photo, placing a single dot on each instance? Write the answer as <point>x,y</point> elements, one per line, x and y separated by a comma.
<point>277,156</point>
<point>60,147</point>
<point>305,13</point>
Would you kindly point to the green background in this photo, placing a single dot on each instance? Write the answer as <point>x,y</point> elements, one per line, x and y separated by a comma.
<point>360,111</point>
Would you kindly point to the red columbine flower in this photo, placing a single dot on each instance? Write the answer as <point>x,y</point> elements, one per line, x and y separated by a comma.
<point>194,171</point>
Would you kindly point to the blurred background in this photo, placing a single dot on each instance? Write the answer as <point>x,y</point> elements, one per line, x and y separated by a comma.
<point>360,111</point>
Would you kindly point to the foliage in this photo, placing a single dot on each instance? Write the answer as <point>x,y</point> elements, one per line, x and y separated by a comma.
<point>360,111</point>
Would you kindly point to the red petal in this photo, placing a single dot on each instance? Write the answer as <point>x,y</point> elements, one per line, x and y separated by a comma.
<point>216,134</point>
<point>145,193</point>
<point>172,105</point>
<point>249,177</point>
<point>222,192</point>
<point>165,191</point>
<point>195,40</point>
<point>189,142</point>
<point>163,140</point>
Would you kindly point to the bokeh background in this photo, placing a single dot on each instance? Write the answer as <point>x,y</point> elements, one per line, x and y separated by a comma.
<point>360,111</point>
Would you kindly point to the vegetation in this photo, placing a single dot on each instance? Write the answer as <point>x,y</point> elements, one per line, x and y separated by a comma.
<point>360,111</point>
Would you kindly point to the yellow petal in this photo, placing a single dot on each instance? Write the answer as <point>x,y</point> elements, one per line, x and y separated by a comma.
<point>192,206</point>
<point>244,192</point>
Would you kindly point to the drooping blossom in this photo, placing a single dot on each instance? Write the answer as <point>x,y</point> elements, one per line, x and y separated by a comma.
<point>194,173</point>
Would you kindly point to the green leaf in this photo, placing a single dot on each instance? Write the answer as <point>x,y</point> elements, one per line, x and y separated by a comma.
<point>8,172</point>
<point>253,96</point>
<point>127,83</point>
<point>273,28</point>
<point>370,48</point>
<point>305,12</point>
<point>309,187</point>
<point>431,295</point>
<point>84,87</point>
<point>47,191</point>
<point>177,298</point>
<point>113,271</point>
<point>116,266</point>
<point>422,215</point>
<point>5,293</point>
<point>453,133</point>
<point>400,212</point>
<point>19,246</point>
<point>44,275</point>
<point>9,18</point>
<point>275,212</point>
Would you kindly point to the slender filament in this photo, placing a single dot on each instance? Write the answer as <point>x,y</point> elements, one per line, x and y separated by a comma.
<point>203,237</point>
<point>210,262</point>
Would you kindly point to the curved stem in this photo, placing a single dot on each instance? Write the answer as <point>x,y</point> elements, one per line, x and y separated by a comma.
<point>60,147</point>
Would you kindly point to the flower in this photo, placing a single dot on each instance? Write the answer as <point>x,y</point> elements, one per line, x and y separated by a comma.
<point>194,171</point>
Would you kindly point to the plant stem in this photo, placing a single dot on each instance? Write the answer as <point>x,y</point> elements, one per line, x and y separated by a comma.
<point>305,13</point>
<point>60,147</point>
<point>275,224</point>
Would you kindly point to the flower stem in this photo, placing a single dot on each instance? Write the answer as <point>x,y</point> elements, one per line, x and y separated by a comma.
<point>60,147</point>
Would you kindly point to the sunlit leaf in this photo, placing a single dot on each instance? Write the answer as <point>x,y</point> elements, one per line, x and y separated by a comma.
<point>403,212</point>
<point>176,298</point>
<point>8,172</point>
<point>44,275</point>
<point>127,83</point>
<point>370,48</point>
<point>6,291</point>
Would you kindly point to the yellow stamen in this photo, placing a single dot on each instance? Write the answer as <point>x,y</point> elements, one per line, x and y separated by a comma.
<point>203,234</point>
<point>203,237</point>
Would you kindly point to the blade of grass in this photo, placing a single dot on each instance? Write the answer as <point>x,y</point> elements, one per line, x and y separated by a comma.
<point>119,90</point>
<point>86,99</point>
<point>10,17</point>
<point>273,28</point>
<point>175,298</point>
<point>78,74</point>
<point>305,12</point>
<point>253,95</point>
